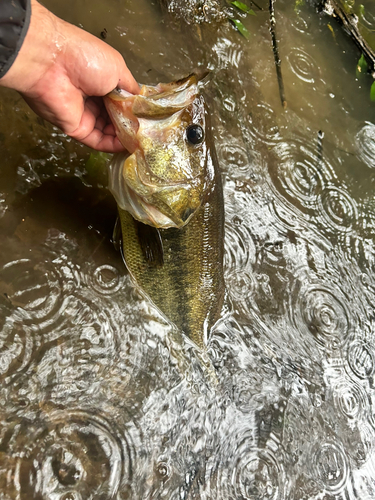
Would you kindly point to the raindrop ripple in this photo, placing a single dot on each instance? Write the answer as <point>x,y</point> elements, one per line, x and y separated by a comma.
<point>68,454</point>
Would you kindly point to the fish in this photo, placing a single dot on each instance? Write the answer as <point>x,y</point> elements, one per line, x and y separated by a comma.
<point>169,193</point>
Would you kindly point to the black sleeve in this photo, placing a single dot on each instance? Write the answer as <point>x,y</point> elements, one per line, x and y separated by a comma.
<point>14,23</point>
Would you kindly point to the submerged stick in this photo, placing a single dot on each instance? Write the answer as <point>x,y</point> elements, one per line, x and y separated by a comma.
<point>256,5</point>
<point>276,54</point>
<point>320,147</point>
<point>319,150</point>
<point>314,184</point>
<point>350,23</point>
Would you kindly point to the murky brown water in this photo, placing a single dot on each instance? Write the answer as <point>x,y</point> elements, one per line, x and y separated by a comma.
<point>93,401</point>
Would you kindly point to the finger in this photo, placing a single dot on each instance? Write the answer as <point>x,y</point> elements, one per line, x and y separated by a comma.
<point>101,123</point>
<point>91,129</point>
<point>109,129</point>
<point>88,121</point>
<point>101,142</point>
<point>102,117</point>
<point>93,106</point>
<point>127,82</point>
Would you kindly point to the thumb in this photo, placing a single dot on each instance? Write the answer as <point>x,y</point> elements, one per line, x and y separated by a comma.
<point>127,81</point>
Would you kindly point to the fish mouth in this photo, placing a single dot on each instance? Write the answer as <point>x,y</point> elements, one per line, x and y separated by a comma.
<point>152,215</point>
<point>152,102</point>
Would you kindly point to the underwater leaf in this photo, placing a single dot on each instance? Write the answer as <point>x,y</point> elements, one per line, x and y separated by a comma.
<point>241,28</point>
<point>347,6</point>
<point>241,6</point>
<point>97,163</point>
<point>332,31</point>
<point>244,8</point>
<point>372,92</point>
<point>298,5</point>
<point>362,67</point>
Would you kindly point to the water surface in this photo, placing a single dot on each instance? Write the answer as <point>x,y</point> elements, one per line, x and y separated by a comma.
<point>99,398</point>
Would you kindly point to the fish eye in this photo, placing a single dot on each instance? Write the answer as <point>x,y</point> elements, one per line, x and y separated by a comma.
<point>195,134</point>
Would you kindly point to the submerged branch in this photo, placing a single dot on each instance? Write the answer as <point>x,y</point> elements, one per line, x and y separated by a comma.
<point>276,53</point>
<point>256,5</point>
<point>350,23</point>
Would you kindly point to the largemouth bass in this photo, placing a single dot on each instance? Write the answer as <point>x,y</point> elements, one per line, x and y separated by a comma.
<point>170,201</point>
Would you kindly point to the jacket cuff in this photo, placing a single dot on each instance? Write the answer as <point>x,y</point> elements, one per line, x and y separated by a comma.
<point>14,23</point>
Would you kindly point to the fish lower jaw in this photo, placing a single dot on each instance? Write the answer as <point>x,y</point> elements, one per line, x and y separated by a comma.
<point>144,212</point>
<point>130,201</point>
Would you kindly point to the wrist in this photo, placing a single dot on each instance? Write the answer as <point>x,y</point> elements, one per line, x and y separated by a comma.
<point>41,47</point>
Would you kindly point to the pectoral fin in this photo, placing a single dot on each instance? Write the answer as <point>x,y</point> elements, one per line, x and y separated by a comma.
<point>117,235</point>
<point>151,244</point>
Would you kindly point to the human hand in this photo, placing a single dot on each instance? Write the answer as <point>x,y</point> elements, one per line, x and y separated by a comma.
<point>62,72</point>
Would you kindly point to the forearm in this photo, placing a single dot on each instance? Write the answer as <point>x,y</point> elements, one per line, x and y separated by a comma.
<point>40,49</point>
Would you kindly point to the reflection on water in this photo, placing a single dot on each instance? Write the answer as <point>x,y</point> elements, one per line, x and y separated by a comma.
<point>100,398</point>
<point>365,140</point>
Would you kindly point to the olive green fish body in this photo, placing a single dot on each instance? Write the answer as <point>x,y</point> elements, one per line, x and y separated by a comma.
<point>188,286</point>
<point>169,194</point>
